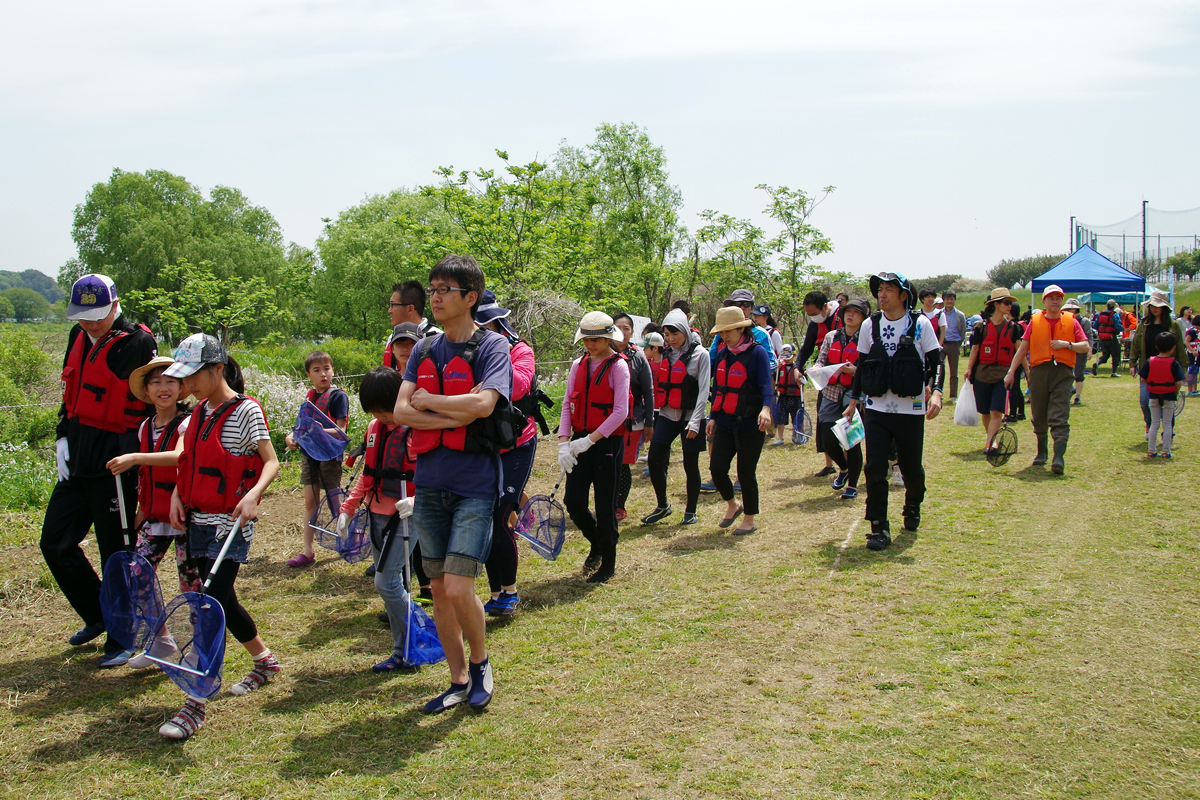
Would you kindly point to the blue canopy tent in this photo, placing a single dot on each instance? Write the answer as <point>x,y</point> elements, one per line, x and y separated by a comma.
<point>1085,270</point>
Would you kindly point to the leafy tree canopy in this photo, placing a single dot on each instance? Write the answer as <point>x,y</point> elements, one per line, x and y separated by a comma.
<point>40,282</point>
<point>1014,272</point>
<point>26,304</point>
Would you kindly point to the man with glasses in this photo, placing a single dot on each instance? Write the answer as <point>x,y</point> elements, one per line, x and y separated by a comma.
<point>954,334</point>
<point>452,380</point>
<point>407,304</point>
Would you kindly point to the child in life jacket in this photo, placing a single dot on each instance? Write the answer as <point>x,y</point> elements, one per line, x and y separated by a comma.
<point>591,439</point>
<point>160,440</point>
<point>788,390</point>
<point>317,476</point>
<point>386,483</point>
<point>227,463</point>
<point>1162,376</point>
<point>1192,338</point>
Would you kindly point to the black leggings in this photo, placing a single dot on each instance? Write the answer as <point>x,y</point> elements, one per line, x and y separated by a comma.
<point>624,484</point>
<point>747,446</point>
<point>596,471</point>
<point>237,619</point>
<point>1016,396</point>
<point>851,459</point>
<point>658,460</point>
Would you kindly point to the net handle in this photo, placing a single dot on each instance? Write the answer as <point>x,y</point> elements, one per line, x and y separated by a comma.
<point>121,509</point>
<point>237,526</point>
<point>408,615</point>
<point>558,483</point>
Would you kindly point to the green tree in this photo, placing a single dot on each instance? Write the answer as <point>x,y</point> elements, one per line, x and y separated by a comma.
<point>6,309</point>
<point>1015,272</point>
<point>26,303</point>
<point>938,283</point>
<point>1187,264</point>
<point>795,247</point>
<point>198,298</point>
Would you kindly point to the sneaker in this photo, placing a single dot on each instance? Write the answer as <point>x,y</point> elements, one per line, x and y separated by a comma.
<point>839,482</point>
<point>395,663</point>
<point>776,443</point>
<point>301,560</point>
<point>880,535</point>
<point>592,561</point>
<point>383,617</point>
<point>264,670</point>
<point>1151,454</point>
<point>646,472</point>
<point>737,486</point>
<point>708,486</point>
<point>480,679</point>
<point>658,514</point>
<point>457,693</point>
<point>1166,455</point>
<point>850,494</point>
<point>912,517</point>
<point>504,605</point>
<point>369,572</point>
<point>186,721</point>
<point>689,519</point>
<point>897,478</point>
<point>1076,402</point>
<point>117,658</point>
<point>164,647</point>
<point>425,597</point>
<point>86,634</point>
<point>621,514</point>
<point>826,472</point>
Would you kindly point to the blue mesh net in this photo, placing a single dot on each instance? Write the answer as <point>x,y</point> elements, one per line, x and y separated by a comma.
<point>196,625</point>
<point>421,643</point>
<point>801,427</point>
<point>356,544</point>
<point>311,435</point>
<point>130,600</point>
<point>543,523</point>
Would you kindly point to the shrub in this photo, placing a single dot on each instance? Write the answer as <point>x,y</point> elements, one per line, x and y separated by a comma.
<point>21,360</point>
<point>29,477</point>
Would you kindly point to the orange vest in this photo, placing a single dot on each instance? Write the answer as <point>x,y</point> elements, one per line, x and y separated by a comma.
<point>1043,330</point>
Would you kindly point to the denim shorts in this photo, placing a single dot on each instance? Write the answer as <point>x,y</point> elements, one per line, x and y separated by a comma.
<point>455,532</point>
<point>203,543</point>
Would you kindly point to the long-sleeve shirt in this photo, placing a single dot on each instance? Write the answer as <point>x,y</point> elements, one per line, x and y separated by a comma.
<point>641,382</point>
<point>760,336</point>
<point>380,503</point>
<point>758,373</point>
<point>618,379</point>
<point>524,368</point>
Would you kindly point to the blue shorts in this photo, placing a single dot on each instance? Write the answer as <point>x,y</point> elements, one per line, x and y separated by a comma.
<point>455,532</point>
<point>203,543</point>
<point>989,396</point>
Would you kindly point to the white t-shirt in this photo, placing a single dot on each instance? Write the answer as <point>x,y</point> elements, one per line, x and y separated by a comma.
<point>936,317</point>
<point>890,332</point>
<point>243,428</point>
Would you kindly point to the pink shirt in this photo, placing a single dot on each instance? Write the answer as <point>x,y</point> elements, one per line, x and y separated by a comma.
<point>380,502</point>
<point>618,379</point>
<point>524,368</point>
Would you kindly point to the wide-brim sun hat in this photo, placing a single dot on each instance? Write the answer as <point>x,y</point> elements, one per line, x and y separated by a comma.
<point>1053,288</point>
<point>193,353</point>
<point>1000,294</point>
<point>1159,299</point>
<point>137,378</point>
<point>1071,304</point>
<point>595,325</point>
<point>729,318</point>
<point>491,311</point>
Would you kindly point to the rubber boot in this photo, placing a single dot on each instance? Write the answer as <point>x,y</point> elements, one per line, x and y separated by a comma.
<point>1042,454</point>
<point>608,565</point>
<point>1060,449</point>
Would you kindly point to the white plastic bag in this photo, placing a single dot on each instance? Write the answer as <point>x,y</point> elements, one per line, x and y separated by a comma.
<point>964,411</point>
<point>849,432</point>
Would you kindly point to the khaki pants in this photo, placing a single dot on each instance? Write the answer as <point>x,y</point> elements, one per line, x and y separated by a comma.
<point>950,351</point>
<point>1050,388</point>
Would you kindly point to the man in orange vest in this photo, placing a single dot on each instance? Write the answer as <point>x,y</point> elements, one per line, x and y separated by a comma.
<point>1053,340</point>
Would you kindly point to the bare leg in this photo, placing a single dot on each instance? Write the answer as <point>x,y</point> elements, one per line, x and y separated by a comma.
<point>457,612</point>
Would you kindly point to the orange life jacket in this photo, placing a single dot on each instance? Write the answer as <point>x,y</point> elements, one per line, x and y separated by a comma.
<point>210,478</point>
<point>1043,331</point>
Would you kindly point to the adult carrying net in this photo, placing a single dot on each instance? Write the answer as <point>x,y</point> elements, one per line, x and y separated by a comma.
<point>317,435</point>
<point>542,522</point>
<point>130,598</point>
<point>191,648</point>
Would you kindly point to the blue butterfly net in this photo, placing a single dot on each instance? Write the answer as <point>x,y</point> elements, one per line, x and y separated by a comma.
<point>130,600</point>
<point>801,427</point>
<point>195,627</point>
<point>543,523</point>
<point>355,546</point>
<point>311,434</point>
<point>421,643</point>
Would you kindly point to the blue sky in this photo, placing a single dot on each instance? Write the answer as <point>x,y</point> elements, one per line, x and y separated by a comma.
<point>956,133</point>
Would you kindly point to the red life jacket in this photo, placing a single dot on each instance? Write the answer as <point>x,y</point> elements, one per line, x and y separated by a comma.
<point>94,394</point>
<point>457,377</point>
<point>389,360</point>
<point>998,346</point>
<point>1106,327</point>
<point>155,484</point>
<point>593,398</point>
<point>824,327</point>
<point>389,460</point>
<point>1161,378</point>
<point>733,395</point>
<point>673,387</point>
<point>842,350</point>
<point>785,381</point>
<point>212,479</point>
<point>323,400</point>
<point>839,321</point>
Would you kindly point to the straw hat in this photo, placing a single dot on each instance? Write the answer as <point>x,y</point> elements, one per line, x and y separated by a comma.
<point>1000,294</point>
<point>729,318</point>
<point>598,324</point>
<point>137,379</point>
<point>1158,298</point>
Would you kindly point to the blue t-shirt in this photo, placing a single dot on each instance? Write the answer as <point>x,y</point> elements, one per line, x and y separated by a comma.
<point>465,474</point>
<point>339,403</point>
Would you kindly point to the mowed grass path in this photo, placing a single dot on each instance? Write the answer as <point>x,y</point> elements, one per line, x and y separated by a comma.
<point>1036,638</point>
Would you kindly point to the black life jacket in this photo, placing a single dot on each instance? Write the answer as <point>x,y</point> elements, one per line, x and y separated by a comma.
<point>903,373</point>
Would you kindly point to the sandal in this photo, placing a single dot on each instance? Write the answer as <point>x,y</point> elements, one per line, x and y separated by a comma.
<point>301,560</point>
<point>745,531</point>
<point>727,521</point>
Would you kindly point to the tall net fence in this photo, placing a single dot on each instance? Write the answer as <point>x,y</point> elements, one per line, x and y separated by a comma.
<point>1167,233</point>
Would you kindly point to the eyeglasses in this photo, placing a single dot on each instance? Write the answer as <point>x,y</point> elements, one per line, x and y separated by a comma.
<point>430,291</point>
<point>392,305</point>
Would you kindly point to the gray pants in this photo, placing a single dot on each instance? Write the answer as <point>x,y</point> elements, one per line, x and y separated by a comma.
<point>1050,387</point>
<point>950,351</point>
<point>389,576</point>
<point>1109,348</point>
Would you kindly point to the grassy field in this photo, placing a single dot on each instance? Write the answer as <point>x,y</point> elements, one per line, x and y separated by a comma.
<point>1036,638</point>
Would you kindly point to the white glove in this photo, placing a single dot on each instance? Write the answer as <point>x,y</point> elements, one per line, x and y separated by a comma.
<point>566,459</point>
<point>61,456</point>
<point>343,524</point>
<point>580,445</point>
<point>404,507</point>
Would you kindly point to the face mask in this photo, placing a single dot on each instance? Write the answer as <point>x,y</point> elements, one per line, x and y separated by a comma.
<point>817,318</point>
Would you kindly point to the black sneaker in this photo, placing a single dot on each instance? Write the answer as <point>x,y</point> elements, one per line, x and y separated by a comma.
<point>86,634</point>
<point>880,535</point>
<point>839,482</point>
<point>912,517</point>
<point>592,561</point>
<point>826,472</point>
<point>383,617</point>
<point>658,514</point>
